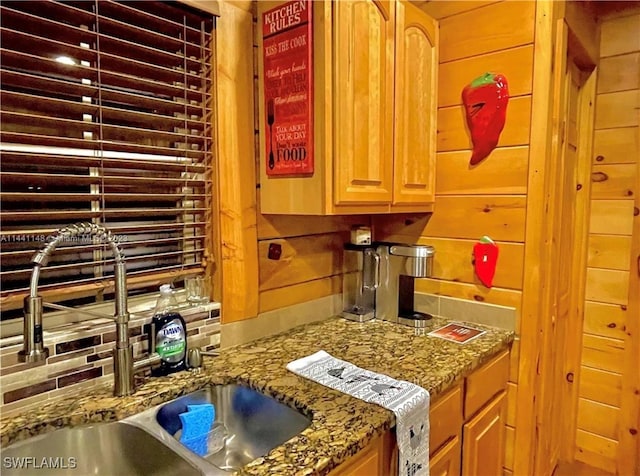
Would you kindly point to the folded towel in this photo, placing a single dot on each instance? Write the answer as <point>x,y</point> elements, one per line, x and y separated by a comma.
<point>408,401</point>
<point>196,425</point>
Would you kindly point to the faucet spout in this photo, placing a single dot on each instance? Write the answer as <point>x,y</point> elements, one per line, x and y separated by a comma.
<point>33,348</point>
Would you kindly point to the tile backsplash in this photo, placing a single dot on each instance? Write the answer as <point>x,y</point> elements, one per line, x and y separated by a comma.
<point>81,357</point>
<point>469,311</point>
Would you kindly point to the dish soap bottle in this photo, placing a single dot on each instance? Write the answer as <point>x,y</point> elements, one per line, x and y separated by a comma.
<point>170,331</point>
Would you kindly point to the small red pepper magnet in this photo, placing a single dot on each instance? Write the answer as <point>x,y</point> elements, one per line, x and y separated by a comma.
<point>485,254</point>
<point>485,100</point>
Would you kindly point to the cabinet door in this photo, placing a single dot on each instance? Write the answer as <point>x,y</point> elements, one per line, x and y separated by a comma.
<point>369,461</point>
<point>446,461</point>
<point>416,105</point>
<point>363,101</point>
<point>483,440</point>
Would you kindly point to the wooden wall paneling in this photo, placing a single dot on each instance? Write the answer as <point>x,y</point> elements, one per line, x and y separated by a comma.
<point>628,458</point>
<point>504,174</point>
<point>474,216</point>
<point>538,238</point>
<point>236,166</point>
<point>609,251</point>
<point>616,9</point>
<point>603,353</point>
<point>613,217</point>
<point>596,450</point>
<point>451,136</point>
<point>278,226</point>
<point>439,10</point>
<point>613,181</point>
<point>607,285</point>
<point>619,73</point>
<point>606,320</point>
<point>619,109</point>
<point>472,292</point>
<point>516,64</point>
<point>615,146</point>
<point>616,160</point>
<point>495,27</point>
<point>598,418</point>
<point>298,293</point>
<point>601,386</point>
<point>462,216</point>
<point>620,36</point>
<point>302,259</point>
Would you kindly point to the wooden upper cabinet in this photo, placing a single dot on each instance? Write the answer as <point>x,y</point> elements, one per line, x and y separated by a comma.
<point>416,77</point>
<point>375,72</point>
<point>363,101</point>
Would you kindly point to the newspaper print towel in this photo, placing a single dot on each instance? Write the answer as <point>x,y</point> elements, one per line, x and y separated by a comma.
<point>409,402</point>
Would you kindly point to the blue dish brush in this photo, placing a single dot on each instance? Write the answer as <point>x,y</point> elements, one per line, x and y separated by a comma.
<point>196,425</point>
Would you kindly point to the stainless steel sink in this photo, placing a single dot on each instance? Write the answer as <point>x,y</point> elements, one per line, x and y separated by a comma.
<point>102,449</point>
<point>148,443</point>
<point>254,423</point>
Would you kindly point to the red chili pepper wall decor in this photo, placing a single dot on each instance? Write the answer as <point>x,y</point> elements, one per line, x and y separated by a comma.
<point>485,258</point>
<point>485,100</point>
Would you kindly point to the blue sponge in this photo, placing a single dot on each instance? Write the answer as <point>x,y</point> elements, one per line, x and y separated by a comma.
<point>196,425</point>
<point>208,407</point>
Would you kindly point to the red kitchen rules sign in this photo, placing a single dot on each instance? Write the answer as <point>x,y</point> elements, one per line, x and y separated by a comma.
<point>288,88</point>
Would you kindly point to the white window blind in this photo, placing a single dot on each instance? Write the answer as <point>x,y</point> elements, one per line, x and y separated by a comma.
<point>106,115</point>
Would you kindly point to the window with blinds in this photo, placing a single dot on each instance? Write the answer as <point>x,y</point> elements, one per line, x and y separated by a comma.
<point>106,117</point>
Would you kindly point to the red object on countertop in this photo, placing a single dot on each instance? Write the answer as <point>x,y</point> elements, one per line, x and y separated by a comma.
<point>485,259</point>
<point>485,100</point>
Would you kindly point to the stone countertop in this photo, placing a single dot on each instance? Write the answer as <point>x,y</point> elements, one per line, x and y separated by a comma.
<point>341,425</point>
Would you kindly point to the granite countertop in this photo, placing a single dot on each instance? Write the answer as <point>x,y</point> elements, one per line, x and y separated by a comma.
<point>341,425</point>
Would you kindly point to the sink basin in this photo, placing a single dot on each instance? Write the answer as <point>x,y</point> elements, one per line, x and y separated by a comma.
<point>148,443</point>
<point>254,423</point>
<point>102,449</point>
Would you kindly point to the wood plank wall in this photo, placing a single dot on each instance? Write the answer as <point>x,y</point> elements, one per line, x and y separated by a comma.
<point>310,264</point>
<point>490,198</point>
<point>608,293</point>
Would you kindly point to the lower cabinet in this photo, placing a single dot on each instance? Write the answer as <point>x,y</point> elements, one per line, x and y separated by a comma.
<point>446,461</point>
<point>467,431</point>
<point>379,458</point>
<point>483,436</point>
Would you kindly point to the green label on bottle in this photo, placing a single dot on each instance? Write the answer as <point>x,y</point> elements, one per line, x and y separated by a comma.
<point>171,342</point>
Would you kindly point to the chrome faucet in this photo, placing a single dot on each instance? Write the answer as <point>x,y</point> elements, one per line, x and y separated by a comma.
<point>33,347</point>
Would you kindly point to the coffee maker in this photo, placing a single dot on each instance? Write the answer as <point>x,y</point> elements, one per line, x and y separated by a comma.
<point>399,265</point>
<point>360,280</point>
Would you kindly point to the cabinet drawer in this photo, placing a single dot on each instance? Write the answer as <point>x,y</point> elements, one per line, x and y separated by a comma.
<point>446,461</point>
<point>445,419</point>
<point>486,382</point>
